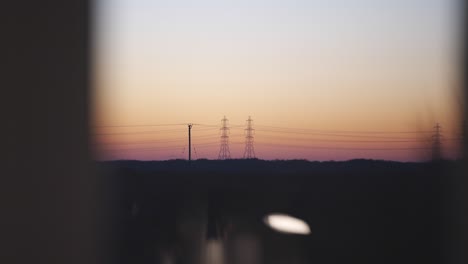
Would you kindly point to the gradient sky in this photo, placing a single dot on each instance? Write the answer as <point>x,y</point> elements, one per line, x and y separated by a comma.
<point>297,67</point>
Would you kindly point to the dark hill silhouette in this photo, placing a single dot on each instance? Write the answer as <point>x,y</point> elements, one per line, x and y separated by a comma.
<point>360,211</point>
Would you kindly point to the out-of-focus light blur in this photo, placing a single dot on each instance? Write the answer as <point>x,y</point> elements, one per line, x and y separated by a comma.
<point>215,253</point>
<point>287,224</point>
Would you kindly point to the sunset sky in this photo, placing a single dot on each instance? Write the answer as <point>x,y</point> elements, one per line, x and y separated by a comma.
<point>322,80</point>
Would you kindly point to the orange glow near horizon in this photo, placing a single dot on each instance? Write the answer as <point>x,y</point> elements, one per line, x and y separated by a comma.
<point>318,81</point>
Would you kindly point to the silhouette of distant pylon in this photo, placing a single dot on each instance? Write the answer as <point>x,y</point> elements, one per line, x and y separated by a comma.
<point>436,143</point>
<point>224,152</point>
<point>249,152</point>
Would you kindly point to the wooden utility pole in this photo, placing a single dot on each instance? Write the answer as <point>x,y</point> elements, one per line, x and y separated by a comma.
<point>190,142</point>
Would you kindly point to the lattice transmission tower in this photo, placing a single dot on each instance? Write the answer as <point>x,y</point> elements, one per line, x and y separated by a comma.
<point>249,152</point>
<point>224,152</point>
<point>436,143</point>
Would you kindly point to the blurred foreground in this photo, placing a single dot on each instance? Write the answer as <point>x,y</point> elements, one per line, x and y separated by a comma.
<point>360,211</point>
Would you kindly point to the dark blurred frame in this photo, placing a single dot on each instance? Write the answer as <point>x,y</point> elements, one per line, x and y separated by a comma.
<point>49,191</point>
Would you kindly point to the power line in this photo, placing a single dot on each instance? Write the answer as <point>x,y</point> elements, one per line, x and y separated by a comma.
<point>337,148</point>
<point>274,127</point>
<point>204,137</point>
<point>156,148</point>
<point>198,138</point>
<point>150,125</point>
<point>148,132</point>
<point>138,132</point>
<point>330,134</point>
<point>205,125</point>
<point>346,131</point>
<point>349,141</point>
<point>140,142</point>
<point>274,132</point>
<point>209,144</point>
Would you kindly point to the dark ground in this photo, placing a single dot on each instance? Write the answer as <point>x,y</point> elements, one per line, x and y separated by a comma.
<point>359,211</point>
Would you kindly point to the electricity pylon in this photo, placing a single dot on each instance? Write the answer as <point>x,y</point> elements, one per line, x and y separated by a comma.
<point>249,152</point>
<point>224,152</point>
<point>436,143</point>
